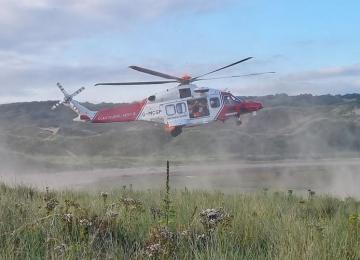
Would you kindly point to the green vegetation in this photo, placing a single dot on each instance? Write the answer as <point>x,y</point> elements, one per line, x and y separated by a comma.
<point>181,224</point>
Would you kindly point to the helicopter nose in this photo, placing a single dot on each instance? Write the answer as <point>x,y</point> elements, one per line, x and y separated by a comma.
<point>253,106</point>
<point>249,106</point>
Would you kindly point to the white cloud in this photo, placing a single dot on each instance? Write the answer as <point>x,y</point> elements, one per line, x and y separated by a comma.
<point>34,35</point>
<point>328,80</point>
<point>34,25</point>
<point>328,73</point>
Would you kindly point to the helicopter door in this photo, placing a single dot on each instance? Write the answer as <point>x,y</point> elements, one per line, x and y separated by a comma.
<point>176,113</point>
<point>198,107</point>
<point>215,105</point>
<point>229,103</point>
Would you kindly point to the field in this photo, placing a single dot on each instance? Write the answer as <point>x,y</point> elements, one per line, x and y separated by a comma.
<point>179,224</point>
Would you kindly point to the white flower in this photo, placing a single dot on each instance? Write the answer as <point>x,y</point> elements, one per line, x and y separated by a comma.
<point>68,217</point>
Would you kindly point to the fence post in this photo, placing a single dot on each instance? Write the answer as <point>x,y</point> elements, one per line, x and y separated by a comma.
<point>167,195</point>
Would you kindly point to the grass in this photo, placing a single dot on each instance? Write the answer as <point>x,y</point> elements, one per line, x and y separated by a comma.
<point>184,224</point>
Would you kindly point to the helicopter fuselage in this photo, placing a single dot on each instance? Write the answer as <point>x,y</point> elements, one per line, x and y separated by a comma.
<point>182,106</point>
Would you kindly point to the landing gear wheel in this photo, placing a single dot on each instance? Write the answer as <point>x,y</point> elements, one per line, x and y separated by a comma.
<point>177,131</point>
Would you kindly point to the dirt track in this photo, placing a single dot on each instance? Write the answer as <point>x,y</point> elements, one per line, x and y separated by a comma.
<point>336,177</point>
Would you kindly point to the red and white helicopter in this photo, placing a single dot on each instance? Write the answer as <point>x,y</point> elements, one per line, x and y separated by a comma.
<point>182,106</point>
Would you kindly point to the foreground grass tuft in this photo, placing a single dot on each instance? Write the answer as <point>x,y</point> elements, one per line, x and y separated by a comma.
<point>123,224</point>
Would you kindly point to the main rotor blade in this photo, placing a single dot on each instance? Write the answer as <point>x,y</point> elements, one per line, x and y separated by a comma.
<point>238,76</point>
<point>232,64</point>
<point>136,83</point>
<point>155,73</point>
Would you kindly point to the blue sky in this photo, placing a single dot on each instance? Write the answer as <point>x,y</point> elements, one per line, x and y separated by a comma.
<point>312,45</point>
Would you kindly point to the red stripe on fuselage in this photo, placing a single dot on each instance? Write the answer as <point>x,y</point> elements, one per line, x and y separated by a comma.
<point>122,113</point>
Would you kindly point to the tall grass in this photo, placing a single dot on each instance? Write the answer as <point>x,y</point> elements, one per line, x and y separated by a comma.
<point>123,224</point>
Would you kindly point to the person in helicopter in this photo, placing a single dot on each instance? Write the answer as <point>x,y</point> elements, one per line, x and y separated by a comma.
<point>203,109</point>
<point>196,109</point>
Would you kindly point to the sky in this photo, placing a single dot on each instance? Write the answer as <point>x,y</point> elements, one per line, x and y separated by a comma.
<point>314,46</point>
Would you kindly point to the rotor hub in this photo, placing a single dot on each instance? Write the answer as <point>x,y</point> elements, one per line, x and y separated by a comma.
<point>186,77</point>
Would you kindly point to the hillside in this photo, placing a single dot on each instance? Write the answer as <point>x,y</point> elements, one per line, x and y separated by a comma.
<point>289,127</point>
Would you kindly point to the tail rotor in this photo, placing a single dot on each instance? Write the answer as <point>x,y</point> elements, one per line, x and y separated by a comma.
<point>67,97</point>
<point>57,105</point>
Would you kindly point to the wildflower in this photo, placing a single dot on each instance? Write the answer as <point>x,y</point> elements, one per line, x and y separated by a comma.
<point>167,235</point>
<point>210,218</point>
<point>127,201</point>
<point>130,203</point>
<point>51,204</point>
<point>161,242</point>
<point>201,237</point>
<point>155,212</point>
<point>68,217</point>
<point>85,222</point>
<point>112,214</point>
<point>60,249</point>
<point>185,233</point>
<point>154,250</point>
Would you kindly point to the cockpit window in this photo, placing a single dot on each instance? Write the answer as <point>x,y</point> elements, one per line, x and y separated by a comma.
<point>233,99</point>
<point>239,99</point>
<point>228,100</point>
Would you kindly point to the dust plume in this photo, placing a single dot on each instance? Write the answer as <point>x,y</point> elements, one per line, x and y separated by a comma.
<point>283,147</point>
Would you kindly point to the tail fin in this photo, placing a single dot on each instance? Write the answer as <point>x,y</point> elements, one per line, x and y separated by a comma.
<point>84,113</point>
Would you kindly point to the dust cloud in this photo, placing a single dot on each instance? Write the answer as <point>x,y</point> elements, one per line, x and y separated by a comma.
<point>334,177</point>
<point>280,149</point>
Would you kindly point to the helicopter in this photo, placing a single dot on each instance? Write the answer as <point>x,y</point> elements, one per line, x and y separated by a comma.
<point>185,105</point>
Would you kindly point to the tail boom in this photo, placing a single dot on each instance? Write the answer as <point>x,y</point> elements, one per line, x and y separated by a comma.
<point>121,113</point>
<point>84,114</point>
